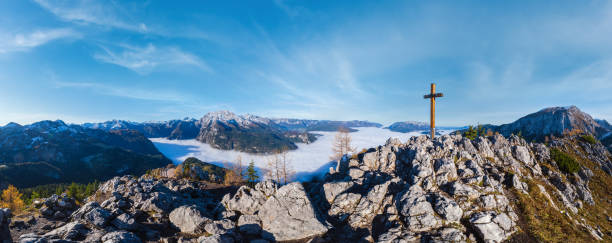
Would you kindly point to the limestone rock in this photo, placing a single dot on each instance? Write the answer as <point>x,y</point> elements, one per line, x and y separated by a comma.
<point>416,210</point>
<point>368,206</point>
<point>332,189</point>
<point>125,222</point>
<point>120,237</point>
<point>447,208</point>
<point>98,216</point>
<point>245,201</point>
<point>71,231</point>
<point>492,227</point>
<point>189,219</point>
<point>289,215</point>
<point>344,205</point>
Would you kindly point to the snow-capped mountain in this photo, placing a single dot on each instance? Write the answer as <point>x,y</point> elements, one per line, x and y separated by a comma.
<point>173,129</point>
<point>53,151</point>
<point>247,133</point>
<point>227,130</point>
<point>229,117</point>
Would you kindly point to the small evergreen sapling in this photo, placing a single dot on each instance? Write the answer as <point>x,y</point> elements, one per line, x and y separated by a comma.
<point>252,176</point>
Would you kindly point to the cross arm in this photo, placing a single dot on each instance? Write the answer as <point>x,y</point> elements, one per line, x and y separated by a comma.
<point>436,95</point>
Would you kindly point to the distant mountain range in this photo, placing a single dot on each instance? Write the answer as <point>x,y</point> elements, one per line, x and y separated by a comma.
<point>413,126</point>
<point>173,129</point>
<point>321,125</point>
<point>53,152</point>
<point>229,131</point>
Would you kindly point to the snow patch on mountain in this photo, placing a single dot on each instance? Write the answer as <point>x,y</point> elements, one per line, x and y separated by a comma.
<point>228,116</point>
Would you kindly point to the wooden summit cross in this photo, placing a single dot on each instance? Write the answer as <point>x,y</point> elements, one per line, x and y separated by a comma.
<point>432,97</point>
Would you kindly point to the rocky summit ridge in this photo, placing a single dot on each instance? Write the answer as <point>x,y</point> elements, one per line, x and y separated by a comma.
<point>450,189</point>
<point>554,121</point>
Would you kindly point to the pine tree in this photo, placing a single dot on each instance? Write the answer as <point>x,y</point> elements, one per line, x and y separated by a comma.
<point>11,198</point>
<point>252,176</point>
<point>481,131</point>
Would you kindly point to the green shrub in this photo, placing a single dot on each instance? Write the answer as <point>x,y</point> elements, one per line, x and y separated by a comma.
<point>471,133</point>
<point>565,162</point>
<point>590,139</point>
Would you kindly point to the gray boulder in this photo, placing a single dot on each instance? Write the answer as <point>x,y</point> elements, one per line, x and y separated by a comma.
<point>189,219</point>
<point>522,154</point>
<point>447,208</point>
<point>267,187</point>
<point>289,215</point>
<point>32,238</point>
<point>220,227</point>
<point>120,237</point>
<point>224,238</point>
<point>332,189</point>
<point>246,200</point>
<point>492,227</point>
<point>344,205</point>
<point>98,216</point>
<point>369,206</point>
<point>125,222</point>
<point>416,210</point>
<point>448,235</point>
<point>446,171</point>
<point>458,189</point>
<point>71,231</point>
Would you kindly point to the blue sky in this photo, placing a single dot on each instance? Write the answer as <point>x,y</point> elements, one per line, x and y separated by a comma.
<point>370,60</point>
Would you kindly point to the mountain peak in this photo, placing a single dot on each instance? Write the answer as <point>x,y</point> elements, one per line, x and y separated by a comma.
<point>228,116</point>
<point>12,124</point>
<point>571,108</point>
<point>553,121</point>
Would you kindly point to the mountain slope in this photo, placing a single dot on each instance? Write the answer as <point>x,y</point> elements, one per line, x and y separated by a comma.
<point>553,121</point>
<point>248,133</point>
<point>53,152</point>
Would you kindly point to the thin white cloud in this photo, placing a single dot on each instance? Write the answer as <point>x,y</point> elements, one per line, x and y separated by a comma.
<point>126,92</point>
<point>291,11</point>
<point>591,82</point>
<point>26,41</point>
<point>91,12</point>
<point>144,60</point>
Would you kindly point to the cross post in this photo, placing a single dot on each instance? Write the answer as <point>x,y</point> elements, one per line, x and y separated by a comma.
<point>432,98</point>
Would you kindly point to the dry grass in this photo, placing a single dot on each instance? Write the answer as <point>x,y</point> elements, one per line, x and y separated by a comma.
<point>546,224</point>
<point>543,222</point>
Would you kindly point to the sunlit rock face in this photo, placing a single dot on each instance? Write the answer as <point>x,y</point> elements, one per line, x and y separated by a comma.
<point>450,189</point>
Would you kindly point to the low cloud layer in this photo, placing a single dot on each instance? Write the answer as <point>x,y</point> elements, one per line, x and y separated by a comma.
<point>307,160</point>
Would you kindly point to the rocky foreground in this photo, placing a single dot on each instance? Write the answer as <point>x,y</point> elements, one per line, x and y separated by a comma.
<point>450,189</point>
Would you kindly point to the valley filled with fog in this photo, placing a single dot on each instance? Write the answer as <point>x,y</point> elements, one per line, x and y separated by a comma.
<point>308,160</point>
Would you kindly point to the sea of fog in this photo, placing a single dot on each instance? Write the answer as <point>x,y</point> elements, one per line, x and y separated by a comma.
<point>308,160</point>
